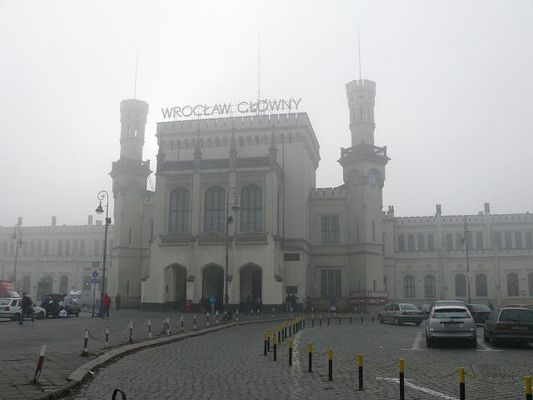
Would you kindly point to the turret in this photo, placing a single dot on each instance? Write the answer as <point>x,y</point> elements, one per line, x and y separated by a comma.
<point>361,101</point>
<point>133,114</point>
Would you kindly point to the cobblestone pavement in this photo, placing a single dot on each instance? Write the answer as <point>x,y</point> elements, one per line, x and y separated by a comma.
<point>20,346</point>
<point>230,365</point>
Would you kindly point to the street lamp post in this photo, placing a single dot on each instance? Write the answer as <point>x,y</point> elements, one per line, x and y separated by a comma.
<point>17,235</point>
<point>466,237</point>
<point>229,220</point>
<point>99,210</point>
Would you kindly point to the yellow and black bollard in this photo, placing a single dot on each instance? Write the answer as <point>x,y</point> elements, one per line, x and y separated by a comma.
<point>290,352</point>
<point>527,382</point>
<point>290,328</point>
<point>275,349</point>
<point>265,344</point>
<point>284,330</point>
<point>330,365</point>
<point>311,350</point>
<point>402,378</point>
<point>279,334</point>
<point>462,393</point>
<point>360,360</point>
<point>269,336</point>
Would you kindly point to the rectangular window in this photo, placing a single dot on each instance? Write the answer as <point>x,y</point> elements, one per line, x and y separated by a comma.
<point>431,242</point>
<point>67,247</point>
<point>329,227</point>
<point>518,240</point>
<point>330,283</point>
<point>75,246</point>
<point>60,248</point>
<point>449,241</point>
<point>498,240</point>
<point>411,242</point>
<point>97,247</point>
<point>82,247</point>
<point>291,257</point>
<point>529,240</point>
<point>458,241</point>
<point>401,243</point>
<point>479,240</point>
<point>46,248</point>
<point>421,242</point>
<point>508,240</point>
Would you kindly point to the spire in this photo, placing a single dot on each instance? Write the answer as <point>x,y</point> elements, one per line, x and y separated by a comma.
<point>359,52</point>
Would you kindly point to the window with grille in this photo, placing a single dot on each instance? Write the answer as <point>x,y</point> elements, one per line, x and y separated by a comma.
<point>409,286</point>
<point>215,210</point>
<point>460,285</point>
<point>330,283</point>
<point>481,285</point>
<point>251,213</point>
<point>512,285</point>
<point>179,211</point>
<point>429,287</point>
<point>329,226</point>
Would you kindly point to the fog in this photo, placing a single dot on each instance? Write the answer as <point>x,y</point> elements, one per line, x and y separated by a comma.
<point>453,103</point>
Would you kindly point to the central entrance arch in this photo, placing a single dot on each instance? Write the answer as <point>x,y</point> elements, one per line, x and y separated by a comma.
<point>175,286</point>
<point>250,284</point>
<point>213,283</point>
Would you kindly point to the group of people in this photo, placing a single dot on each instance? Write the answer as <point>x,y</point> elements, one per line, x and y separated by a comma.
<point>250,305</point>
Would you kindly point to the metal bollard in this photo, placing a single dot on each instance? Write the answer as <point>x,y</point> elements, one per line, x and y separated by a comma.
<point>216,317</point>
<point>265,346</point>
<point>149,329</point>
<point>275,350</point>
<point>402,379</point>
<point>284,331</point>
<point>312,320</point>
<point>269,337</point>
<point>311,350</point>
<point>527,381</point>
<point>360,360</point>
<point>279,334</point>
<point>40,363</point>
<point>290,328</point>
<point>181,321</point>
<point>330,365</point>
<point>290,352</point>
<point>84,352</point>
<point>167,324</point>
<point>462,393</point>
<point>237,316</point>
<point>194,321</point>
<point>107,337</point>
<point>131,331</point>
<point>207,320</point>
<point>273,312</point>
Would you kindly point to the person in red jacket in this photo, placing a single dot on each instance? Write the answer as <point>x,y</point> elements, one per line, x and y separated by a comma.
<point>106,306</point>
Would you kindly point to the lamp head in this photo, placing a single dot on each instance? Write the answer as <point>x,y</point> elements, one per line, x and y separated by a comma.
<point>99,209</point>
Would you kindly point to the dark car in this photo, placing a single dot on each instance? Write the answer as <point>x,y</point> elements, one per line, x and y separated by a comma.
<point>480,312</point>
<point>51,305</point>
<point>399,313</point>
<point>56,302</point>
<point>509,324</point>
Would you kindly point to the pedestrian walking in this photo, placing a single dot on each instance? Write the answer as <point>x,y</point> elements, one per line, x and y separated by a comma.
<point>26,308</point>
<point>212,303</point>
<point>117,301</point>
<point>106,305</point>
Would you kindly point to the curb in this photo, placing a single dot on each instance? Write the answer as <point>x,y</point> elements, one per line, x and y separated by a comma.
<point>77,376</point>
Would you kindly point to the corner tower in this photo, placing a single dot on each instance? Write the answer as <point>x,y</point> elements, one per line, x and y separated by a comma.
<point>364,176</point>
<point>129,174</point>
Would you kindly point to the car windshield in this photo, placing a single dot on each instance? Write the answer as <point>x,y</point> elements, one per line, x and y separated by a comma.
<point>409,307</point>
<point>443,313</point>
<point>479,308</point>
<point>514,315</point>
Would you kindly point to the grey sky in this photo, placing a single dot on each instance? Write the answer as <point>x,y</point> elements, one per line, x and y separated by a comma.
<point>454,91</point>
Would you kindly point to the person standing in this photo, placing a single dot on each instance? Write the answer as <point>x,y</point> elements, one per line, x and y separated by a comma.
<point>26,308</point>
<point>106,306</point>
<point>117,301</point>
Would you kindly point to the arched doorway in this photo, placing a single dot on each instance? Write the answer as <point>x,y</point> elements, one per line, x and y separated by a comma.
<point>44,286</point>
<point>213,283</point>
<point>250,284</point>
<point>175,286</point>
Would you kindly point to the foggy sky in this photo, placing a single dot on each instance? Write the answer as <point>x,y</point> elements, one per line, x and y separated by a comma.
<point>453,104</point>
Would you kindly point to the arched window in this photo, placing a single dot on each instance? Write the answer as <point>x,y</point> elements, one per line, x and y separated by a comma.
<point>481,285</point>
<point>251,209</point>
<point>215,210</point>
<point>409,286</point>
<point>411,242</point>
<point>429,286</point>
<point>530,281</point>
<point>401,243</point>
<point>460,285</point>
<point>512,285</point>
<point>421,241</point>
<point>179,211</point>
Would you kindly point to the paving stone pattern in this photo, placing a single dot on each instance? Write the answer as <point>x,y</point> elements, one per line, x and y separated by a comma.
<point>230,365</point>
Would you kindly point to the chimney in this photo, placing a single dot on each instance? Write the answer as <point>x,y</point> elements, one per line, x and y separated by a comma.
<point>487,208</point>
<point>54,221</point>
<point>90,220</point>
<point>438,211</point>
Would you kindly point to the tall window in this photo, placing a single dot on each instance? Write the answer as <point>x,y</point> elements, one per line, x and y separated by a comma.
<point>60,248</point>
<point>529,240</point>
<point>460,285</point>
<point>330,283</point>
<point>411,242</point>
<point>329,228</point>
<point>431,242</point>
<point>421,241</point>
<point>401,243</point>
<point>429,286</point>
<point>508,240</point>
<point>179,209</point>
<point>479,240</point>
<point>458,241</point>
<point>215,211</point>
<point>498,240</point>
<point>409,286</point>
<point>481,285</point>
<point>512,285</point>
<point>449,241</point>
<point>251,209</point>
<point>530,284</point>
<point>518,240</point>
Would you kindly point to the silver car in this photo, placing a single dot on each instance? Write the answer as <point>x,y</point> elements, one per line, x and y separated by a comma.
<point>452,322</point>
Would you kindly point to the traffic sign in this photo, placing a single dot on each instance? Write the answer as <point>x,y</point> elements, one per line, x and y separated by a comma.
<point>95,280</point>
<point>95,274</point>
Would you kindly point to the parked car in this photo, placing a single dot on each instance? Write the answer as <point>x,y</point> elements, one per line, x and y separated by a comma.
<point>511,324</point>
<point>451,322</point>
<point>399,313</point>
<point>480,312</point>
<point>54,303</point>
<point>12,307</point>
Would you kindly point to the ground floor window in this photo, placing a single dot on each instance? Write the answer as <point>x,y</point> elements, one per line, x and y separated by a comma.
<point>330,283</point>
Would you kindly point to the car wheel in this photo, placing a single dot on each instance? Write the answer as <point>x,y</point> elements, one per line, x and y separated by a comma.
<point>396,321</point>
<point>473,343</point>
<point>380,319</point>
<point>41,315</point>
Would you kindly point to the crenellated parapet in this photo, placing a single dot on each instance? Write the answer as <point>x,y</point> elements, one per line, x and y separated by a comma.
<point>328,193</point>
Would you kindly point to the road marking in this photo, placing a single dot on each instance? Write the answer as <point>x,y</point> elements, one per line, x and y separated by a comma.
<point>296,367</point>
<point>416,343</point>
<point>419,388</point>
